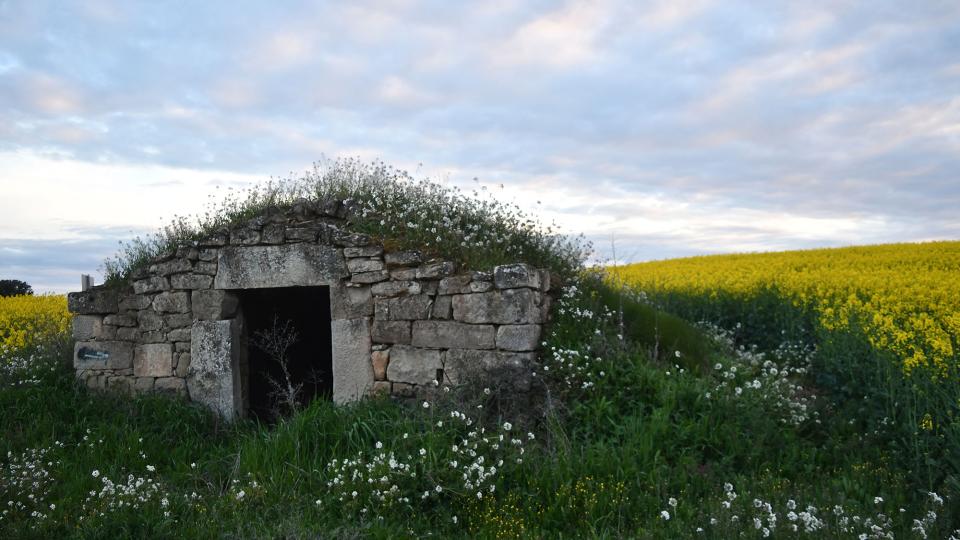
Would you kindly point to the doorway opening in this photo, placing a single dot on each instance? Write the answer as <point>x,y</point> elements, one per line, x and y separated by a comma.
<point>288,342</point>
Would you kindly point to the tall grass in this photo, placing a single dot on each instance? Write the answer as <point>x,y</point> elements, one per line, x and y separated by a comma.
<point>914,415</point>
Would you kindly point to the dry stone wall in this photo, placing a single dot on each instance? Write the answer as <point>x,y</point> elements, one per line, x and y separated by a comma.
<point>399,322</point>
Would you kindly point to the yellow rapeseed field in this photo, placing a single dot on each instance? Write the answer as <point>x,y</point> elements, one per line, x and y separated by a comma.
<point>24,320</point>
<point>905,297</point>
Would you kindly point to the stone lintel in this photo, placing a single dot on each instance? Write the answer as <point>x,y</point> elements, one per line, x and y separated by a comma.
<point>290,265</point>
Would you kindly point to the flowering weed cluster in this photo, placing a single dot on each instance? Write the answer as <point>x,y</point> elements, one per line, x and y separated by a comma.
<point>769,380</point>
<point>575,356</point>
<point>471,227</point>
<point>419,470</point>
<point>133,492</point>
<point>738,516</point>
<point>25,483</point>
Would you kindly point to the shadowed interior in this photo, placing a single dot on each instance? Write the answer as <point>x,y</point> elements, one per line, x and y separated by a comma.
<point>309,359</point>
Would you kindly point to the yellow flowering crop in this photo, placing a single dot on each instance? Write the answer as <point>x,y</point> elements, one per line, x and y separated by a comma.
<point>26,320</point>
<point>904,296</point>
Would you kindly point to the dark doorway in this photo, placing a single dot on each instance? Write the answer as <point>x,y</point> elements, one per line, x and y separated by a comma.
<point>270,312</point>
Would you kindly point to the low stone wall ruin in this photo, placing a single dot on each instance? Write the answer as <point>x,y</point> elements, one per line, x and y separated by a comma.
<point>398,322</point>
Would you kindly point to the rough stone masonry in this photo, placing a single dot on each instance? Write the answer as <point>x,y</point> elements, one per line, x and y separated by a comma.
<point>398,322</point>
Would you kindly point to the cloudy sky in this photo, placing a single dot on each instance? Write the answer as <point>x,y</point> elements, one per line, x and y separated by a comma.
<point>675,128</point>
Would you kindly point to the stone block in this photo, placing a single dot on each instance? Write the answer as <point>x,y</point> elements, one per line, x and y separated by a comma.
<point>213,378</point>
<point>463,365</point>
<point>213,305</point>
<point>454,284</point>
<point>447,334</point>
<point>172,302</point>
<point>520,337</point>
<point>179,334</point>
<point>436,270</point>
<point>151,285</point>
<point>93,302</point>
<point>403,258</point>
<point>188,252</point>
<point>178,320</point>
<point>182,346</point>
<point>390,332</point>
<point>513,276</point>
<point>441,308</point>
<point>175,386</point>
<point>183,364</point>
<point>509,306</point>
<point>135,302</point>
<point>143,385</point>
<point>403,274</point>
<point>149,320</point>
<point>352,370</point>
<point>120,320</point>
<point>272,234</point>
<point>87,327</point>
<point>102,355</point>
<point>205,268</point>
<point>173,266</point>
<point>380,388</point>
<point>332,208</point>
<point>92,379</point>
<point>370,277</point>
<point>191,281</point>
<point>403,308</point>
<point>97,382</point>
<point>350,302</point>
<point>403,390</point>
<point>128,333</point>
<point>302,234</point>
<point>546,281</point>
<point>153,336</point>
<point>364,265</point>
<point>244,237</point>
<point>108,333</point>
<point>380,359</point>
<point>214,240</point>
<point>412,365</point>
<point>208,255</point>
<point>342,238</point>
<point>479,286</point>
<point>289,265</point>
<point>140,272</point>
<point>396,288</point>
<point>120,384</point>
<point>153,360</point>
<point>367,251</point>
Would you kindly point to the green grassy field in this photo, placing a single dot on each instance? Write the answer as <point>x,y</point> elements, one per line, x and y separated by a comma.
<point>639,425</point>
<point>714,443</point>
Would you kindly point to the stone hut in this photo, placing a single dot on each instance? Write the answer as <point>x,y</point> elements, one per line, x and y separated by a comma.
<point>369,319</point>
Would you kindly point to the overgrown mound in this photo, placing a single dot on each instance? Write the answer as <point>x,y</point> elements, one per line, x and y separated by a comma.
<point>470,228</point>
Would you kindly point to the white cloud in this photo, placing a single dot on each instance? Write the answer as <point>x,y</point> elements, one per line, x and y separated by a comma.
<point>283,50</point>
<point>668,13</point>
<point>51,198</point>
<point>561,39</point>
<point>400,92</point>
<point>51,95</point>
